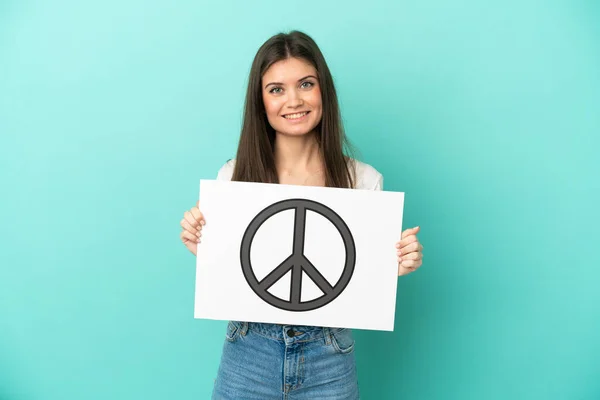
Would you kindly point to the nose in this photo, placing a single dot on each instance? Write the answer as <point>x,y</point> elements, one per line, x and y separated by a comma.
<point>294,99</point>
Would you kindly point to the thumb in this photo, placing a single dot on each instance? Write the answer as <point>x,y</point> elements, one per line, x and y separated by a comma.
<point>411,231</point>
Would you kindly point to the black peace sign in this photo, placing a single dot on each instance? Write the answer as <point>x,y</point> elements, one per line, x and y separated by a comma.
<point>297,262</point>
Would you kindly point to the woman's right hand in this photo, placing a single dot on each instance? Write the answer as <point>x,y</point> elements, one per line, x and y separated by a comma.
<point>192,223</point>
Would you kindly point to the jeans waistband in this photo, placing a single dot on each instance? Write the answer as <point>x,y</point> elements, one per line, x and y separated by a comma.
<point>299,333</point>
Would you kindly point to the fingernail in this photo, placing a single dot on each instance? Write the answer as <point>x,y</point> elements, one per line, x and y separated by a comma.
<point>197,234</point>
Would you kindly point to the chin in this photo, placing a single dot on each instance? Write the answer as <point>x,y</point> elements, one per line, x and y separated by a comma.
<point>294,133</point>
<point>298,131</point>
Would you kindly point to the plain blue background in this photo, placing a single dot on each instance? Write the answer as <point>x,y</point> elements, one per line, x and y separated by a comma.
<point>487,115</point>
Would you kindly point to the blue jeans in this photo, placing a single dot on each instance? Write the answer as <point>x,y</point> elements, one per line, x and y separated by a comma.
<point>269,362</point>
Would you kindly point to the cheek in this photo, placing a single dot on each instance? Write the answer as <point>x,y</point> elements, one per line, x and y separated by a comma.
<point>317,105</point>
<point>271,105</point>
<point>315,98</point>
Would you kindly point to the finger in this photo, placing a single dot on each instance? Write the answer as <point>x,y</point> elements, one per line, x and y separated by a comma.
<point>411,248</point>
<point>411,264</point>
<point>407,240</point>
<point>186,226</point>
<point>190,219</point>
<point>415,246</point>
<point>188,237</point>
<point>197,215</point>
<point>402,269</point>
<point>416,255</point>
<point>411,231</point>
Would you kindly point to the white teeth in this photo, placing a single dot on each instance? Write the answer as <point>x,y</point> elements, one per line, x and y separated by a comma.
<point>295,116</point>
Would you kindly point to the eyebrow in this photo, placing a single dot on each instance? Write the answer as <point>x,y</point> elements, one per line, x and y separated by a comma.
<point>281,84</point>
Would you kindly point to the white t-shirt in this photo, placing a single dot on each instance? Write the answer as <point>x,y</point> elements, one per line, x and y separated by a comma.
<point>366,178</point>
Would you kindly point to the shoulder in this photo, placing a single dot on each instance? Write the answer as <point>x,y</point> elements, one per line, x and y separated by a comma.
<point>366,176</point>
<point>226,171</point>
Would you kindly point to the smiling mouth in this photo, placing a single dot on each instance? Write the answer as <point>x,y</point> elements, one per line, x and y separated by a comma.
<point>296,115</point>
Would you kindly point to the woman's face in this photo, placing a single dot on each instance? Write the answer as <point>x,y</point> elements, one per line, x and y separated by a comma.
<point>292,97</point>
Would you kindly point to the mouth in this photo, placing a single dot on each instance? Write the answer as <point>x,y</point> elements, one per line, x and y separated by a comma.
<point>296,116</point>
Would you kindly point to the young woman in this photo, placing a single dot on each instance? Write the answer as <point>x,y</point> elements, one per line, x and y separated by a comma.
<point>292,134</point>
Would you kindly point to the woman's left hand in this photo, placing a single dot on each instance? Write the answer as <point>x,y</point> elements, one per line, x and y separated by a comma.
<point>409,251</point>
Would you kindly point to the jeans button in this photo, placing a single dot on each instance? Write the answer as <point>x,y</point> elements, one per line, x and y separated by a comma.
<point>291,333</point>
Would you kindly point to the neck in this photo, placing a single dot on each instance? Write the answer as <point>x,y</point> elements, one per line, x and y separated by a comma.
<point>294,154</point>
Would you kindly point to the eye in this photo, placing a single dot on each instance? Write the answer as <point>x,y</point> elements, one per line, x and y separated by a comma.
<point>307,84</point>
<point>276,90</point>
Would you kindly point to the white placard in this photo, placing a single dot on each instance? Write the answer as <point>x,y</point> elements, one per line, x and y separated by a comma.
<point>298,255</point>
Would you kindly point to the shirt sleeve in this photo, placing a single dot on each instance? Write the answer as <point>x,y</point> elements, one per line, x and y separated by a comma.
<point>378,182</point>
<point>225,172</point>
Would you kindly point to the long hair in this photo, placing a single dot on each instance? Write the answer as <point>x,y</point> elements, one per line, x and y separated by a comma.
<point>255,161</point>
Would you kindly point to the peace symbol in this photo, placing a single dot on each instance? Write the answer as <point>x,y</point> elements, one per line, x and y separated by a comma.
<point>297,262</point>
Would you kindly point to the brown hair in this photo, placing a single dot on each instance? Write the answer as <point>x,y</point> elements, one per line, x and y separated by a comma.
<point>255,161</point>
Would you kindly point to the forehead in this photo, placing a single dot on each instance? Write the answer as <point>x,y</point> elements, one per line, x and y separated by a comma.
<point>289,70</point>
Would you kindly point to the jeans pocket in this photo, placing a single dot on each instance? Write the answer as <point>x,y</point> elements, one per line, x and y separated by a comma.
<point>342,340</point>
<point>233,329</point>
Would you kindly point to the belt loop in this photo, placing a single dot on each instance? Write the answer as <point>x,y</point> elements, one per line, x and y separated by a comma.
<point>244,328</point>
<point>326,335</point>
